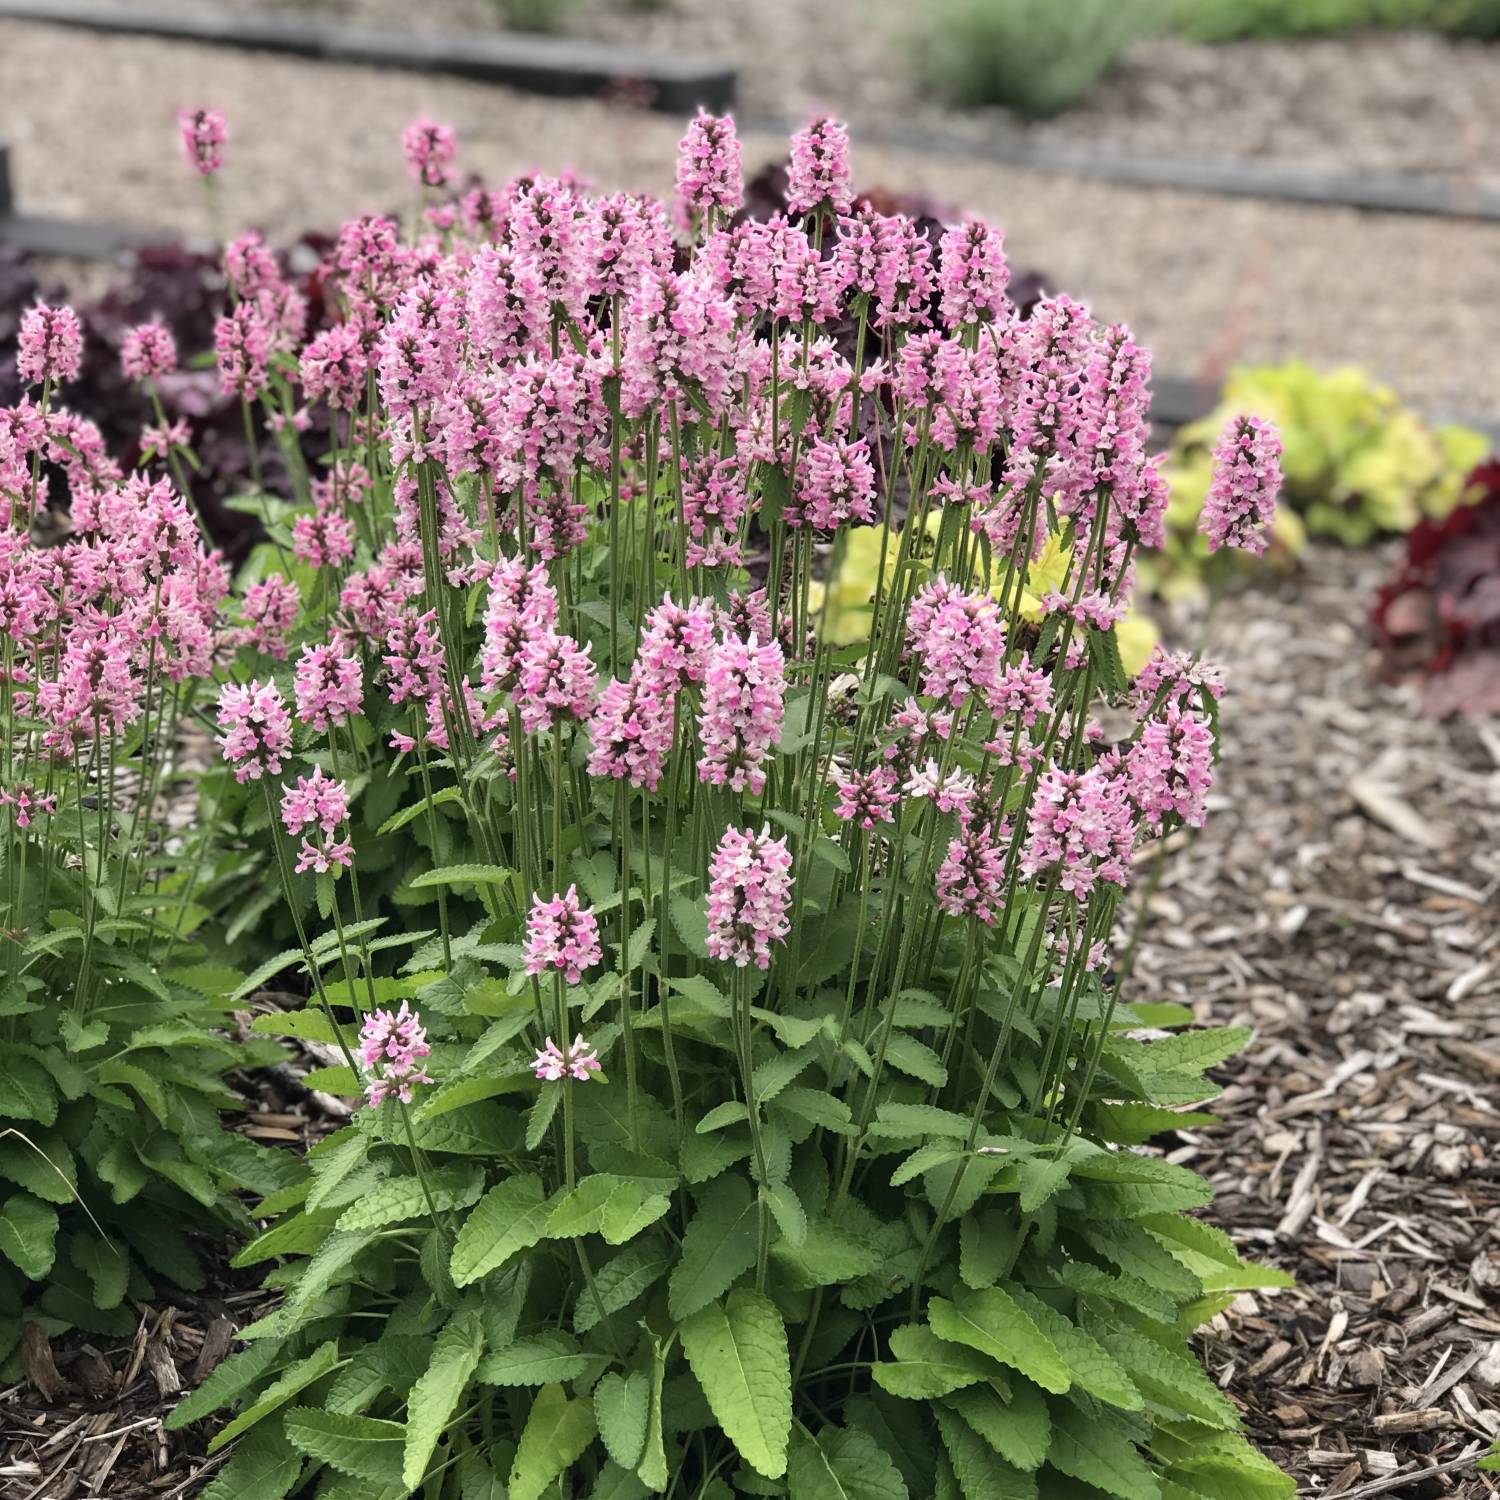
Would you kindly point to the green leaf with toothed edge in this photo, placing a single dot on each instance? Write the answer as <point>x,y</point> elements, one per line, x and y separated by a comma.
<point>991,1322</point>
<point>841,1464</point>
<point>556,1434</point>
<point>510,1218</point>
<point>737,1350</point>
<point>719,1246</point>
<point>926,1366</point>
<point>980,1474</point>
<point>290,1383</point>
<point>435,1396</point>
<point>365,1447</point>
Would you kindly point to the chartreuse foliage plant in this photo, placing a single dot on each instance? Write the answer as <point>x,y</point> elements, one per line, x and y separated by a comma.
<point>112,1159</point>
<point>1357,464</point>
<point>751,1102</point>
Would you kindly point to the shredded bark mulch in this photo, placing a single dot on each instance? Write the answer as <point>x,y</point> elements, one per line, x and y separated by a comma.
<point>1343,903</point>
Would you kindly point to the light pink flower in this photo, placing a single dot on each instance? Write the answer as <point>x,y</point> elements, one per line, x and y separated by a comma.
<point>561,936</point>
<point>749,897</point>
<point>391,1049</point>
<point>204,133</point>
<point>1241,501</point>
<point>552,1064</point>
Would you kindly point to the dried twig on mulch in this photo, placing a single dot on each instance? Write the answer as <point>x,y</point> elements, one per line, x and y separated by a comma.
<point>1343,902</point>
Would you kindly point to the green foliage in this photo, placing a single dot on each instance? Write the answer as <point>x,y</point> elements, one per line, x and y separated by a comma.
<point>1356,463</point>
<point>1033,1326</point>
<point>1035,56</point>
<point>1233,20</point>
<point>112,1156</point>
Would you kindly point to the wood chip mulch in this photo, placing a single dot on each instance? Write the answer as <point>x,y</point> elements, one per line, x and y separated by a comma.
<point>1343,902</point>
<point>86,1422</point>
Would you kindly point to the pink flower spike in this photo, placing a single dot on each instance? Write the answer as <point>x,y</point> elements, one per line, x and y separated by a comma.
<point>391,1049</point>
<point>148,352</point>
<point>1241,501</point>
<point>49,345</point>
<point>257,731</point>
<point>429,149</point>
<point>561,937</point>
<point>204,132</point>
<point>708,170</point>
<point>749,897</point>
<point>820,176</point>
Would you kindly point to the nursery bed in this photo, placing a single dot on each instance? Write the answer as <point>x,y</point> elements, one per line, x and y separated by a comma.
<point>1351,923</point>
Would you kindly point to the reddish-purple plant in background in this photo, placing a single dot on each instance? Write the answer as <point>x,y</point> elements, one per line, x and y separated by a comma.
<point>1437,622</point>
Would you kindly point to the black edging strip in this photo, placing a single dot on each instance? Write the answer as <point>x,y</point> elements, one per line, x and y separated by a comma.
<point>1375,192</point>
<point>674,82</point>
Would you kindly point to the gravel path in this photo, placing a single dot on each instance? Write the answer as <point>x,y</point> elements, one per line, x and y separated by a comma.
<point>1204,280</point>
<point>1380,101</point>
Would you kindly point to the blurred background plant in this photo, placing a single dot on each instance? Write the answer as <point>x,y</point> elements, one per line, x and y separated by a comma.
<point>1032,55</point>
<point>1234,20</point>
<point>1040,57</point>
<point>1437,622</point>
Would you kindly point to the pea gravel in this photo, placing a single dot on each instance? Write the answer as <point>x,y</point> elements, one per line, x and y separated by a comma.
<point>1205,281</point>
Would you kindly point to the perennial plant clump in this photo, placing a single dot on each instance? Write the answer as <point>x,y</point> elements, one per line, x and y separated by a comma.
<point>532,710</point>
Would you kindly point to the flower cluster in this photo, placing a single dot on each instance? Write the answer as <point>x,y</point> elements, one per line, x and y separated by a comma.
<point>552,1063</point>
<point>749,897</point>
<point>392,1045</point>
<point>321,803</point>
<point>204,133</point>
<point>1241,501</point>
<point>561,937</point>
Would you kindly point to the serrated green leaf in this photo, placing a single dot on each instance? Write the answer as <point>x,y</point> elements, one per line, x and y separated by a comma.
<point>296,1378</point>
<point>926,1366</point>
<point>545,1358</point>
<point>39,1161</point>
<point>919,1119</point>
<point>399,1198</point>
<point>619,1282</point>
<point>435,1396</point>
<point>556,1434</point>
<point>106,1266</point>
<point>1019,1430</point>
<point>27,1091</point>
<point>791,1217</point>
<point>511,1217</point>
<point>737,1350</point>
<point>306,1025</point>
<point>992,1322</point>
<point>28,1234</point>
<point>1040,1179</point>
<point>841,1464</point>
<point>910,1056</point>
<point>268,970</point>
<point>1091,1367</point>
<point>719,1246</point>
<point>1169,1377</point>
<point>1096,1451</point>
<point>622,1407</point>
<point>263,1467</point>
<point>236,1374</point>
<point>365,1447</point>
<point>462,875</point>
<point>980,1474</point>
